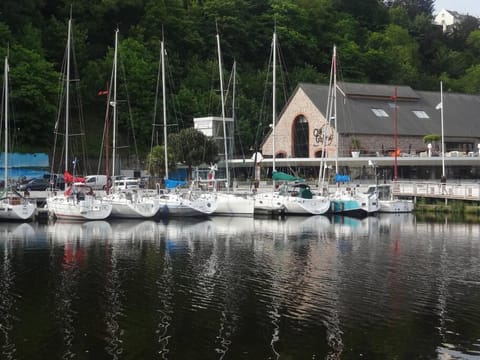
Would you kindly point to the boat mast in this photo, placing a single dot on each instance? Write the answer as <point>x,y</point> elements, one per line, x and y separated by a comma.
<point>274,104</point>
<point>67,93</point>
<point>443,139</point>
<point>114,104</point>
<point>162,49</point>
<point>395,137</point>
<point>5,81</point>
<point>223,110</point>
<point>334,100</point>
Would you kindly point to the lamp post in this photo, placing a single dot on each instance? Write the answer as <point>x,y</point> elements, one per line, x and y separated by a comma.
<point>429,149</point>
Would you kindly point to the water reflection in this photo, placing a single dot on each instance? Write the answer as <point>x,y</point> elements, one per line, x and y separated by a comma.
<point>388,286</point>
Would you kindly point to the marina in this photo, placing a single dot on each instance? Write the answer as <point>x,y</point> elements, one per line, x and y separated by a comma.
<point>386,286</point>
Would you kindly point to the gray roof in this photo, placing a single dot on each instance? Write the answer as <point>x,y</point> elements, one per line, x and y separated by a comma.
<point>356,101</point>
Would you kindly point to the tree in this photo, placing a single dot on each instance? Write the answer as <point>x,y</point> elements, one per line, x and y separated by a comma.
<point>192,148</point>
<point>156,161</point>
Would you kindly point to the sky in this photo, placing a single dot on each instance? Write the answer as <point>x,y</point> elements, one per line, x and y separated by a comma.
<point>470,7</point>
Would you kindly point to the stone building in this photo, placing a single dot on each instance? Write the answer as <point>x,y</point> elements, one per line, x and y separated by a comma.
<point>365,122</point>
<point>365,128</point>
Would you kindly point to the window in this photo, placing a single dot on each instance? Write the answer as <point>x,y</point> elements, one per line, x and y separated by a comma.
<point>300,137</point>
<point>421,114</point>
<point>380,112</point>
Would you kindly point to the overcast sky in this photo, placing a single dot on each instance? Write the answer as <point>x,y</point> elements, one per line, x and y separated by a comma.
<point>471,7</point>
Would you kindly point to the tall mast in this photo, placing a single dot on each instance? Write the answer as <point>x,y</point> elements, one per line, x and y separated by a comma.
<point>274,104</point>
<point>223,110</point>
<point>443,139</point>
<point>334,100</point>
<point>162,49</point>
<point>67,92</point>
<point>114,104</point>
<point>5,81</point>
<point>395,137</point>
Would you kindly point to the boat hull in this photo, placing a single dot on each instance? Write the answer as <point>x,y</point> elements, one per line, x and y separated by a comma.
<point>69,208</point>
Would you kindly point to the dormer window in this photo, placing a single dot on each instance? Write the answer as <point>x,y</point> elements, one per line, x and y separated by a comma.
<point>380,112</point>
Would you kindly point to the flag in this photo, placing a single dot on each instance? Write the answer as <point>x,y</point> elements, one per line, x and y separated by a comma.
<point>439,106</point>
<point>103,92</point>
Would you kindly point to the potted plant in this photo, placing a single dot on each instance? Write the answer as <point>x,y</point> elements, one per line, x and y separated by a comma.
<point>355,147</point>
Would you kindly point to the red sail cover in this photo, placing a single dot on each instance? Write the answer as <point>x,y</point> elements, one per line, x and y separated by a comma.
<point>69,178</point>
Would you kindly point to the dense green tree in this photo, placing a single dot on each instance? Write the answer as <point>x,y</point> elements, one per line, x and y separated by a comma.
<point>156,161</point>
<point>193,148</point>
<point>34,86</point>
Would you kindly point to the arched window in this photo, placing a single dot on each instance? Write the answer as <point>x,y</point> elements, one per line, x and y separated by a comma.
<point>300,137</point>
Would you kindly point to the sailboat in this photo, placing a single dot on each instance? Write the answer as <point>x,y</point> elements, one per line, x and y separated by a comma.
<point>13,206</point>
<point>228,203</point>
<point>294,196</point>
<point>179,203</point>
<point>346,201</point>
<point>126,197</point>
<point>78,202</point>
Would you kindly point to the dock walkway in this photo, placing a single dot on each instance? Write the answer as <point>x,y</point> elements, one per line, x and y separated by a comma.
<point>454,191</point>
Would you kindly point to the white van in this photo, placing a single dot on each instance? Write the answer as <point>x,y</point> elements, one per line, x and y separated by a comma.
<point>96,182</point>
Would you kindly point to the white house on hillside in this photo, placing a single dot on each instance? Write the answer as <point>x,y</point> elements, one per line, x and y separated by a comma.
<point>448,19</point>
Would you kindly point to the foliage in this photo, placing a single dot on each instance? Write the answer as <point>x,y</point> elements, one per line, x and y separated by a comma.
<point>390,41</point>
<point>156,161</point>
<point>192,148</point>
<point>431,138</point>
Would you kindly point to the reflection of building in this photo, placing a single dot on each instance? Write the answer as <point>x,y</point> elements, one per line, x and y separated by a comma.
<point>212,126</point>
<point>365,122</point>
<point>448,19</point>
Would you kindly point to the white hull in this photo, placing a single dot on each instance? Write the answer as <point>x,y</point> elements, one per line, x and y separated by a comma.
<point>127,205</point>
<point>187,204</point>
<point>269,203</point>
<point>396,206</point>
<point>16,209</point>
<point>69,208</point>
<point>234,205</point>
<point>300,206</point>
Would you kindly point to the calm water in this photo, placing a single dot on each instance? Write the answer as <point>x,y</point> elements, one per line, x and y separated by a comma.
<point>386,287</point>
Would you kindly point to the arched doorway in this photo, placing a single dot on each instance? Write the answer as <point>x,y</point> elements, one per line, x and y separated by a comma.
<point>300,137</point>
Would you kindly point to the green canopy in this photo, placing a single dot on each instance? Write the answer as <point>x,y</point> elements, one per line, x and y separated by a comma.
<point>281,176</point>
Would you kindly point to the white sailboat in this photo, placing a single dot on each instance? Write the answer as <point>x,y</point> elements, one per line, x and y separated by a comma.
<point>126,197</point>
<point>180,203</point>
<point>346,201</point>
<point>293,198</point>
<point>228,203</point>
<point>13,206</point>
<point>78,202</point>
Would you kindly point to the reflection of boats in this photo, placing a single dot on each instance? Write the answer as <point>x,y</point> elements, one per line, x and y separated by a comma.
<point>89,230</point>
<point>16,231</point>
<point>345,225</point>
<point>292,225</point>
<point>132,229</point>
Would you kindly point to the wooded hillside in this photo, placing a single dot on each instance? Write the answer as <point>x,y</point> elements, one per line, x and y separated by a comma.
<point>394,44</point>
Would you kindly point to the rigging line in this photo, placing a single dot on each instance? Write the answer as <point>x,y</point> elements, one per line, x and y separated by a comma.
<point>130,113</point>
<point>155,103</point>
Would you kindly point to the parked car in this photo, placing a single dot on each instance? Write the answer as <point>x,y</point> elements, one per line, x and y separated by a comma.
<point>36,184</point>
<point>96,182</point>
